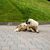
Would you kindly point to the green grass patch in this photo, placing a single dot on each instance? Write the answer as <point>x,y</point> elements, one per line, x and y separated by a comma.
<point>21,10</point>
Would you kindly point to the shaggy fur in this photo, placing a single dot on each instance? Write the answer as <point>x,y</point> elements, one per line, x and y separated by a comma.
<point>30,25</point>
<point>21,27</point>
<point>33,24</point>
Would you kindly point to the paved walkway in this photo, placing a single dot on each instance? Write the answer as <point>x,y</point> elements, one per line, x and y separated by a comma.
<point>11,40</point>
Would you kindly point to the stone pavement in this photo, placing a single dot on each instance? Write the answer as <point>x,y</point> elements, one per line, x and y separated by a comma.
<point>11,40</point>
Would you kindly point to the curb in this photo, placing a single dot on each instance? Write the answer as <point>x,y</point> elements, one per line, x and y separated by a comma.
<point>9,23</point>
<point>16,23</point>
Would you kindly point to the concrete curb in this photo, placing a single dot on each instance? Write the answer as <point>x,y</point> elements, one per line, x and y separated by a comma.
<point>16,23</point>
<point>9,23</point>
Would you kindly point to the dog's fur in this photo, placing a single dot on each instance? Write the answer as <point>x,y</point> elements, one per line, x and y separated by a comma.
<point>29,25</point>
<point>33,24</point>
<point>23,27</point>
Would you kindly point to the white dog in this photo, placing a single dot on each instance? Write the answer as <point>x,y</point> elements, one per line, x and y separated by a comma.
<point>33,24</point>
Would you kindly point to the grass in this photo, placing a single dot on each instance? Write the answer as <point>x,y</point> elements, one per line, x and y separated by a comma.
<point>21,10</point>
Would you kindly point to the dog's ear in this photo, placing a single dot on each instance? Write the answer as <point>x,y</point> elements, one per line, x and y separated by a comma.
<point>28,23</point>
